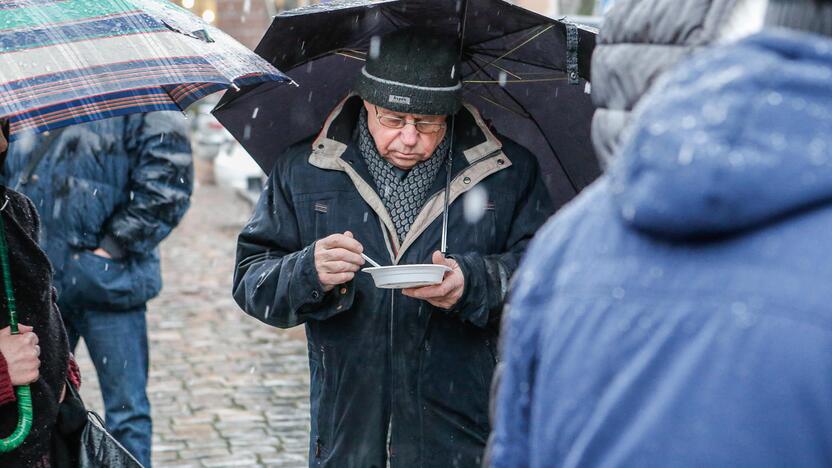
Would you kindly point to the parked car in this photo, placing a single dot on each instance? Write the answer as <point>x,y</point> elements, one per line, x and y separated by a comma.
<point>236,169</point>
<point>207,134</point>
<point>590,21</point>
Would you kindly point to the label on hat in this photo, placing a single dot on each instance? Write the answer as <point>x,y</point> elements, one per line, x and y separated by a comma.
<point>399,99</point>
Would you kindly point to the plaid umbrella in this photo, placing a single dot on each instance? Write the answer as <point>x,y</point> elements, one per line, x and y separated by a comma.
<point>64,62</point>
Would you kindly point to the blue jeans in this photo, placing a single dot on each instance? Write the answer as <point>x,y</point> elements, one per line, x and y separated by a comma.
<point>117,342</point>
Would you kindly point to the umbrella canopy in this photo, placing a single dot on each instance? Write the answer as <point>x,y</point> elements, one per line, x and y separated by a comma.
<point>64,62</point>
<point>516,71</point>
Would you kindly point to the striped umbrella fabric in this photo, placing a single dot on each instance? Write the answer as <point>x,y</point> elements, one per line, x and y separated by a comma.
<point>64,62</point>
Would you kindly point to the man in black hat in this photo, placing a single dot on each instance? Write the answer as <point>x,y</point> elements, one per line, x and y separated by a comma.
<point>401,376</point>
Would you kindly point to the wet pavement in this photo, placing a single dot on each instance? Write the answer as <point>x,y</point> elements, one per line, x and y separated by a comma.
<point>225,389</point>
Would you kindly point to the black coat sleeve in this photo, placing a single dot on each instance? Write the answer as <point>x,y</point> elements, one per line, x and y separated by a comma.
<point>487,277</point>
<point>275,279</point>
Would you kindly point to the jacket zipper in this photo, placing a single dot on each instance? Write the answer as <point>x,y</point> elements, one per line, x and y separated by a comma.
<point>392,382</point>
<point>319,443</point>
<point>390,342</point>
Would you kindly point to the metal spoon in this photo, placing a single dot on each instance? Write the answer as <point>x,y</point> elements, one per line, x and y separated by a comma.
<point>372,262</point>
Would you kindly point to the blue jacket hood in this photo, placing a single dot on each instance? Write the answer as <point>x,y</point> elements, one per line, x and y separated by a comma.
<point>737,137</point>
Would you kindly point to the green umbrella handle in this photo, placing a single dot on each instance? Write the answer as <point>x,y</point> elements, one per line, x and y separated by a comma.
<point>24,420</point>
<point>23,392</point>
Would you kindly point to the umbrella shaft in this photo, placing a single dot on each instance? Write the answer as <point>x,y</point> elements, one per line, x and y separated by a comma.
<point>448,170</point>
<point>444,246</point>
<point>7,278</point>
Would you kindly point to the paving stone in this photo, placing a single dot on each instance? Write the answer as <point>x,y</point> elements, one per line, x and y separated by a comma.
<point>284,460</point>
<point>207,452</point>
<point>206,443</point>
<point>232,460</point>
<point>165,457</point>
<point>237,443</point>
<point>169,447</point>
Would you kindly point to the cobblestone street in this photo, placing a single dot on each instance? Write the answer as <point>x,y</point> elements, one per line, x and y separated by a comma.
<point>225,389</point>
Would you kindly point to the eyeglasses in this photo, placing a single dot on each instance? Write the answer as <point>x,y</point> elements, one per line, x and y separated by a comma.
<point>422,126</point>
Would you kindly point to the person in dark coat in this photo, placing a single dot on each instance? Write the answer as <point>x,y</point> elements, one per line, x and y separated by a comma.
<point>677,312</point>
<point>39,356</point>
<point>109,192</point>
<point>397,376</point>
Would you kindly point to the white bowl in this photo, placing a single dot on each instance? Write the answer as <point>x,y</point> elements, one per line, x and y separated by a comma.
<point>407,276</point>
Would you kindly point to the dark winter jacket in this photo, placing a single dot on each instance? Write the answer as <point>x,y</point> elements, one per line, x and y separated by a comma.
<point>385,366</point>
<point>35,300</point>
<point>677,313</point>
<point>640,40</point>
<point>121,184</point>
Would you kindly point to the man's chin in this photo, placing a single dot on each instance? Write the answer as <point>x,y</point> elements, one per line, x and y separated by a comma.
<point>405,162</point>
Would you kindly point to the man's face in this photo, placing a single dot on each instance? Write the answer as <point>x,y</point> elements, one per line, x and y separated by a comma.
<point>404,147</point>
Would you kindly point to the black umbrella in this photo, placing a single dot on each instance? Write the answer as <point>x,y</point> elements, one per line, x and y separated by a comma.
<point>526,73</point>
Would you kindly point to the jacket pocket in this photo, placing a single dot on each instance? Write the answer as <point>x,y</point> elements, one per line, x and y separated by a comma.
<point>454,380</point>
<point>322,214</point>
<point>312,216</point>
<point>83,207</point>
<point>479,231</point>
<point>93,281</point>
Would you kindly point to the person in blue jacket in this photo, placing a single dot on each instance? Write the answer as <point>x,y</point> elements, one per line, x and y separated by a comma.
<point>108,192</point>
<point>678,312</point>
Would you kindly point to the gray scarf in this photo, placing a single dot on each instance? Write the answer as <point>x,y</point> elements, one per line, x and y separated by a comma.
<point>404,196</point>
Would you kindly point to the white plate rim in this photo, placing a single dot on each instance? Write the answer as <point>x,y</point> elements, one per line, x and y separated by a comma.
<point>402,267</point>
